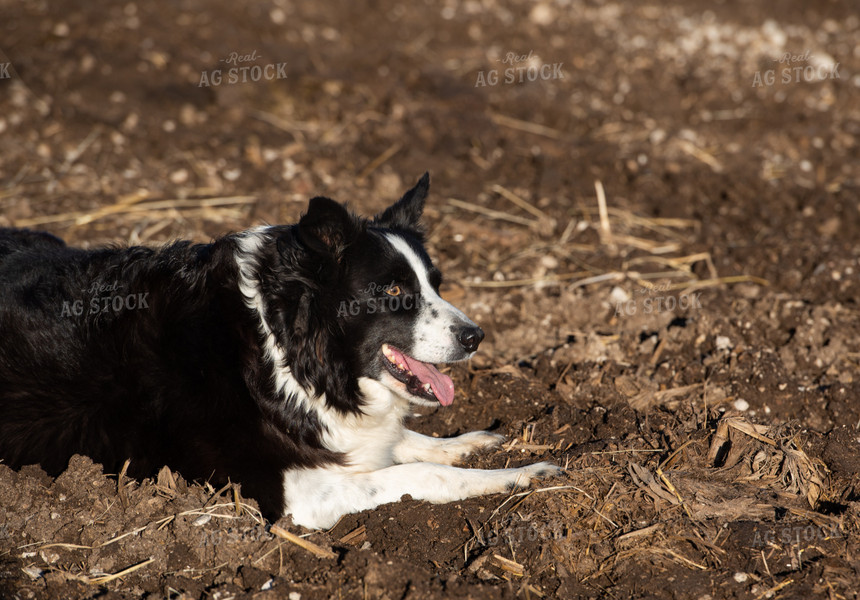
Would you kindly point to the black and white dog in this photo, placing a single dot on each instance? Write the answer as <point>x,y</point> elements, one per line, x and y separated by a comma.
<point>283,358</point>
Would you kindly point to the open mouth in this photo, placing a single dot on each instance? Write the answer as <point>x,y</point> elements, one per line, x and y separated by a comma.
<point>421,379</point>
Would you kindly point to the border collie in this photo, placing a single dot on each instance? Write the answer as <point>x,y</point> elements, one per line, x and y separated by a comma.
<point>283,358</point>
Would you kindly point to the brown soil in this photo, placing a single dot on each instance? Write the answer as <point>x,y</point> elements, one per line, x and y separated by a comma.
<point>723,281</point>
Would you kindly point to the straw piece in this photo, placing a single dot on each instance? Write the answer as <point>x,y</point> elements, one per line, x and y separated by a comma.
<point>526,126</point>
<point>700,154</point>
<point>769,593</point>
<point>508,565</point>
<point>523,282</point>
<point>605,230</point>
<point>306,544</point>
<point>355,537</point>
<point>489,212</point>
<point>379,160</point>
<point>508,194</point>
<point>101,580</point>
<point>83,217</point>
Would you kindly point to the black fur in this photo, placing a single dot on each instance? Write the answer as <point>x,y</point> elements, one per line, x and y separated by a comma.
<point>176,373</point>
<point>405,215</point>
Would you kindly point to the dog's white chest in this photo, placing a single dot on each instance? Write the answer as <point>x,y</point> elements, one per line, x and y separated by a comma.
<point>368,439</point>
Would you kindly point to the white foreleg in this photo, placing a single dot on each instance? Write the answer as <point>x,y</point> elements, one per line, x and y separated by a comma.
<point>318,498</point>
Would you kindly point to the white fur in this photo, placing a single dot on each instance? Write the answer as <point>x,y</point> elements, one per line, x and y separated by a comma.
<point>368,438</point>
<point>435,341</point>
<point>415,447</point>
<point>385,461</point>
<point>318,498</point>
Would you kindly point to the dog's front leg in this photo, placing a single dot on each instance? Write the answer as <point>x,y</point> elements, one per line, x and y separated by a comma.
<point>415,447</point>
<point>318,498</point>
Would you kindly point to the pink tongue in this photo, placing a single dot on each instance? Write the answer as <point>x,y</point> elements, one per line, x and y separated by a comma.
<point>442,385</point>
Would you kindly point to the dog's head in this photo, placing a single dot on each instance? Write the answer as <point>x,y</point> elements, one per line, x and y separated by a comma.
<point>355,298</point>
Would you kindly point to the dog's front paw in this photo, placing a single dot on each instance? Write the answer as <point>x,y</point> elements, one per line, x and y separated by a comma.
<point>476,440</point>
<point>522,476</point>
<point>457,448</point>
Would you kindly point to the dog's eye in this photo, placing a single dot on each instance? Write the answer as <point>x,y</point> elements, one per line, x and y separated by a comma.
<point>394,290</point>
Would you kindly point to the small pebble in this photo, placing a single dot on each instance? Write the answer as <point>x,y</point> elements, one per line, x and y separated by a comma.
<point>179,176</point>
<point>61,29</point>
<point>550,262</point>
<point>723,343</point>
<point>202,520</point>
<point>542,14</point>
<point>232,174</point>
<point>278,16</point>
<point>618,295</point>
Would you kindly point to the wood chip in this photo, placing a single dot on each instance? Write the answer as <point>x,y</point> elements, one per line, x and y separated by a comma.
<point>355,537</point>
<point>632,536</point>
<point>649,399</point>
<point>306,544</point>
<point>508,565</point>
<point>643,478</point>
<point>120,487</point>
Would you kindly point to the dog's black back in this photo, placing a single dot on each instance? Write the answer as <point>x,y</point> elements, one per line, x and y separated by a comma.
<point>144,354</point>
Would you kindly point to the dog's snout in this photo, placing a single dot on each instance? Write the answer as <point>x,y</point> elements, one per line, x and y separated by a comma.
<point>470,337</point>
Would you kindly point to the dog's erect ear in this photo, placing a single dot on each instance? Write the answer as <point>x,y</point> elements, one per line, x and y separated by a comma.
<point>327,227</point>
<point>406,212</point>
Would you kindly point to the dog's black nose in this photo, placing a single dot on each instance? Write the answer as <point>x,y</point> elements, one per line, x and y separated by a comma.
<point>470,337</point>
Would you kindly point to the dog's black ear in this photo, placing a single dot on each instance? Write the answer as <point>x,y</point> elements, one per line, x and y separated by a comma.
<point>317,360</point>
<point>327,227</point>
<point>406,212</point>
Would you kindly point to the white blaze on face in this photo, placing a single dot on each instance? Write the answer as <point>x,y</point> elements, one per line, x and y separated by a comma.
<point>437,323</point>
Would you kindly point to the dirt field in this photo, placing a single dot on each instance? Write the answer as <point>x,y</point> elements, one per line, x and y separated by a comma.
<point>651,209</point>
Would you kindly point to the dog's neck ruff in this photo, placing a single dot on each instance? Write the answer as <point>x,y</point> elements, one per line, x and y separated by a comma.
<point>250,244</point>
